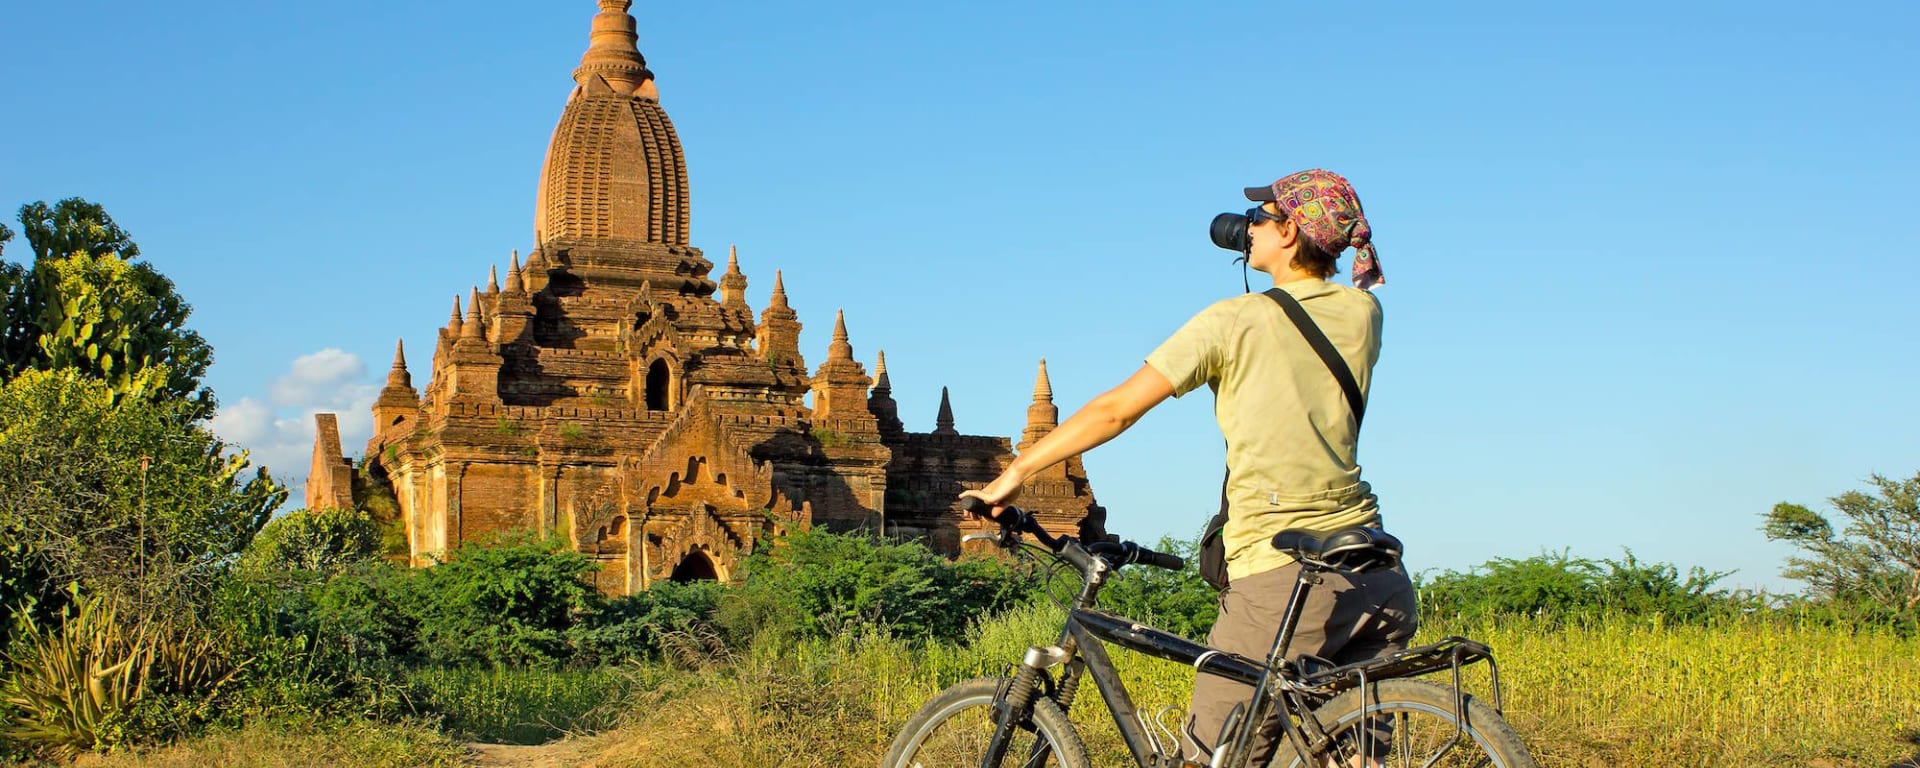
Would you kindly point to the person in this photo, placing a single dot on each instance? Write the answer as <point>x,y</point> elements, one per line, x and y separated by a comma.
<point>1292,441</point>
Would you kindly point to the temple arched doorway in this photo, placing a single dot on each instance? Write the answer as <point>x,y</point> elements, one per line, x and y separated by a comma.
<point>696,566</point>
<point>659,382</point>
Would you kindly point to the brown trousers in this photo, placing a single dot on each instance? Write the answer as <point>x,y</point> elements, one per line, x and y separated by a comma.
<point>1346,618</point>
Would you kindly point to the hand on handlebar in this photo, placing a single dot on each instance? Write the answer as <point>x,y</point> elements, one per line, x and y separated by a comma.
<point>978,505</point>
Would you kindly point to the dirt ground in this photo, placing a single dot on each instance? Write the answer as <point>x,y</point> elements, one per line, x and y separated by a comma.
<point>559,754</point>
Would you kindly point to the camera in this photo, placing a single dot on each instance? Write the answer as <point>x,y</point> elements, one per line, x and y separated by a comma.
<point>1229,231</point>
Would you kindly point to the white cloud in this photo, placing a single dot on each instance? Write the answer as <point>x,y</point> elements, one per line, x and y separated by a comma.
<point>278,433</point>
<point>329,377</point>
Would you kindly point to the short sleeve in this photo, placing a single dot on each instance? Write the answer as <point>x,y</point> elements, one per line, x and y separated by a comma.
<point>1191,356</point>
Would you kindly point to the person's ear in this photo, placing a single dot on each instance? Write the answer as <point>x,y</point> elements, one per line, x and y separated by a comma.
<point>1289,233</point>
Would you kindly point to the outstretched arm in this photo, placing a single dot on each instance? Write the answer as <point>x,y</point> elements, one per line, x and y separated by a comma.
<point>1098,421</point>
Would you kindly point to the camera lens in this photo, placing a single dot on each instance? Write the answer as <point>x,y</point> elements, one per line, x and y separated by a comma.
<point>1229,231</point>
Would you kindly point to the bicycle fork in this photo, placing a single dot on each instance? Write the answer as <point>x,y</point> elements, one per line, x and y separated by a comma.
<point>1016,706</point>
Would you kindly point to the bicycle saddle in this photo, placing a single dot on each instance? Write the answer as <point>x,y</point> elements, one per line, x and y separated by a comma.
<point>1354,550</point>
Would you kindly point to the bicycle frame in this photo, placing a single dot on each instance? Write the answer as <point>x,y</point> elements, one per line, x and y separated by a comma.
<point>1082,648</point>
<point>1279,684</point>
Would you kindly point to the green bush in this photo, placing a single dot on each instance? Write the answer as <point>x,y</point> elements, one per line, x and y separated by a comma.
<point>1559,585</point>
<point>634,627</point>
<point>319,540</point>
<point>118,492</point>
<point>102,677</point>
<point>816,584</point>
<point>507,601</point>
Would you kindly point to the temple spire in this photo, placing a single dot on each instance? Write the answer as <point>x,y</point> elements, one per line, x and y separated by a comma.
<point>840,348</point>
<point>398,375</point>
<point>733,284</point>
<point>779,331</point>
<point>613,54</point>
<point>880,401</point>
<point>471,329</point>
<point>513,274</point>
<point>943,422</point>
<point>779,298</point>
<point>1042,416</point>
<point>453,323</point>
<point>493,279</point>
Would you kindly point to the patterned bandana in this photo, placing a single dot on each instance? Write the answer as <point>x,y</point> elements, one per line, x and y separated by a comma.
<point>1323,205</point>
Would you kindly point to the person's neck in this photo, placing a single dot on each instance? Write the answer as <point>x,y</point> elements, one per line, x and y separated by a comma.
<point>1290,275</point>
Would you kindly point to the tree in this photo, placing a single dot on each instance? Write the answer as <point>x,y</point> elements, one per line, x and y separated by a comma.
<point>72,226</point>
<point>319,540</point>
<point>1875,558</point>
<point>125,493</point>
<point>86,304</point>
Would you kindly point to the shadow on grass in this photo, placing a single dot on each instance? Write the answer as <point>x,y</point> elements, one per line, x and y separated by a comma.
<point>1911,762</point>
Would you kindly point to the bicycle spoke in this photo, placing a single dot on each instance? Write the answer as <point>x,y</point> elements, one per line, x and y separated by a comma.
<point>1408,739</point>
<point>961,740</point>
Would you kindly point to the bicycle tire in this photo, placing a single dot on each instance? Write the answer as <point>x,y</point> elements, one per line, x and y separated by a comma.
<point>1488,739</point>
<point>967,709</point>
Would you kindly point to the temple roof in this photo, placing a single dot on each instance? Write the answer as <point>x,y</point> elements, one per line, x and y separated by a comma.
<point>614,172</point>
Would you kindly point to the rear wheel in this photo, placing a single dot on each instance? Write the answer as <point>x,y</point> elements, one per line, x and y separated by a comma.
<point>952,731</point>
<point>1413,724</point>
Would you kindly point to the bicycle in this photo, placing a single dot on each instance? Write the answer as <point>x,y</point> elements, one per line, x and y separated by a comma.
<point>1330,715</point>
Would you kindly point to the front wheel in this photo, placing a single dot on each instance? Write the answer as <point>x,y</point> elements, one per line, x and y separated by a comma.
<point>1412,724</point>
<point>952,731</point>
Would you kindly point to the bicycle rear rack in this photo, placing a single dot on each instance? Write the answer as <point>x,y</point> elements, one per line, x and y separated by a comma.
<point>1450,653</point>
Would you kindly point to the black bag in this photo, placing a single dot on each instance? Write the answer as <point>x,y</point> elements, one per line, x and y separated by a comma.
<point>1213,545</point>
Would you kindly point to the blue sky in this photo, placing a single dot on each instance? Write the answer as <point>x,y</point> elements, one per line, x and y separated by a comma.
<point>1649,265</point>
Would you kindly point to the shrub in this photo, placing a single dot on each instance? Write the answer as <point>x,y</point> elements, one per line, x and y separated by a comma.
<point>820,584</point>
<point>118,492</point>
<point>320,540</point>
<point>1559,585</point>
<point>511,600</point>
<point>101,679</point>
<point>635,626</point>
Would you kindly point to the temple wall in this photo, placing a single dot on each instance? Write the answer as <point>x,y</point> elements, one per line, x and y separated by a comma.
<point>496,498</point>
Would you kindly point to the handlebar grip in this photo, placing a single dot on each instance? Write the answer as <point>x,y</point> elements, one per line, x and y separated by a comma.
<point>1161,560</point>
<point>972,505</point>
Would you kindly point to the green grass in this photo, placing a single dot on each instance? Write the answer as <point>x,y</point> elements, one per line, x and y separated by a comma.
<point>1605,693</point>
<point>525,706</point>
<point>280,745</point>
<point>1611,692</point>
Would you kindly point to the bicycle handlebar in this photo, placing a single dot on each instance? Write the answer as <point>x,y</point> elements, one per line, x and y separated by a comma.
<point>1016,520</point>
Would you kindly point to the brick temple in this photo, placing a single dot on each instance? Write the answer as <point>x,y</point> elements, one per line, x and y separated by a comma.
<point>610,391</point>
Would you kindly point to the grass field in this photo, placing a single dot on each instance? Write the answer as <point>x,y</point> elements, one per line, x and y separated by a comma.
<point>1605,693</point>
<point>1611,693</point>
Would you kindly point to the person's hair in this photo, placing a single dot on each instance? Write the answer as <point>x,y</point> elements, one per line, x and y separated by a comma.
<point>1313,259</point>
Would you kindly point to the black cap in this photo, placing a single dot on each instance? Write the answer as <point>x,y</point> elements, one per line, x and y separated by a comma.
<point>1261,194</point>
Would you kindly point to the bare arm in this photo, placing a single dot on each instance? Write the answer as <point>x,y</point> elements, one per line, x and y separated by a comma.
<point>1100,420</point>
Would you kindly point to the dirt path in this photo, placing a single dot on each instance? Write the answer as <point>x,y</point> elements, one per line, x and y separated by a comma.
<point>559,754</point>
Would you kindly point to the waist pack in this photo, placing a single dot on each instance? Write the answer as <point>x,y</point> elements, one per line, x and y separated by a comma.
<point>1213,545</point>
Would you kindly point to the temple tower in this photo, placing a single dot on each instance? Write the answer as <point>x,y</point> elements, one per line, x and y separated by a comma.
<point>609,390</point>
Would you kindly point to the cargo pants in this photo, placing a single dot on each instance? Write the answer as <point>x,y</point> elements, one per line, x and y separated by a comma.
<point>1347,618</point>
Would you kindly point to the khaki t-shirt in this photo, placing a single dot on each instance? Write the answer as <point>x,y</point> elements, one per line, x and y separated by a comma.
<point>1291,436</point>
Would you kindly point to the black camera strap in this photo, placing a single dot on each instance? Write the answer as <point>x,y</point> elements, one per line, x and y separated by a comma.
<point>1213,557</point>
<point>1324,348</point>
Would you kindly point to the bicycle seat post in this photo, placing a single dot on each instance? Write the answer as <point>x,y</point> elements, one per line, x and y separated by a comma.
<point>1310,576</point>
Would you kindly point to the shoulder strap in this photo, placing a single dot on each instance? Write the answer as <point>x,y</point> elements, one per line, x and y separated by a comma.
<point>1324,348</point>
